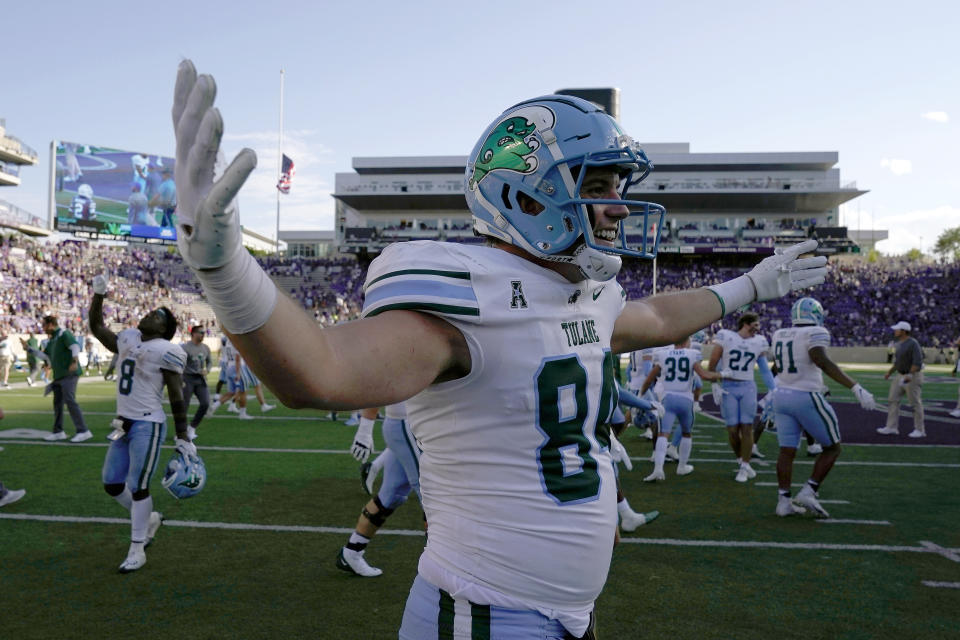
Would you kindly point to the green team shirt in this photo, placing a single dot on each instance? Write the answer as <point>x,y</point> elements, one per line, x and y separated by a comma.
<point>58,350</point>
<point>32,359</point>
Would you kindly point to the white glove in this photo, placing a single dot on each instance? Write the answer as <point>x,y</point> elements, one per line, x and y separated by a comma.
<point>362,445</point>
<point>185,448</point>
<point>100,284</point>
<point>208,232</point>
<point>774,277</point>
<point>619,453</point>
<point>765,402</point>
<point>657,408</point>
<point>208,225</point>
<point>864,397</point>
<point>717,392</point>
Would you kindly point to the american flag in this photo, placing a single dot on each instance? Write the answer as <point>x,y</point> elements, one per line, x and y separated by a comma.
<point>286,175</point>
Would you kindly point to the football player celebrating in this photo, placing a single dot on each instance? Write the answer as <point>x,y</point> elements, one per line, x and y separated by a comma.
<point>148,361</point>
<point>799,405</point>
<point>736,353</point>
<point>506,379</point>
<point>679,367</point>
<point>401,475</point>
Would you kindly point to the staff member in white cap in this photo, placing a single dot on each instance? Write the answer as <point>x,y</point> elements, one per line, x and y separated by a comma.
<point>908,365</point>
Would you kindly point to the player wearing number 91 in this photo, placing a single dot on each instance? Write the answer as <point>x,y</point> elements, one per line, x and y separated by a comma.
<point>799,404</point>
<point>506,366</point>
<point>147,361</point>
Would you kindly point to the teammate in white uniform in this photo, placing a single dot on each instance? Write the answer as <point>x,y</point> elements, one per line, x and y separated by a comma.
<point>799,404</point>
<point>401,475</point>
<point>507,371</point>
<point>735,353</point>
<point>678,366</point>
<point>148,361</point>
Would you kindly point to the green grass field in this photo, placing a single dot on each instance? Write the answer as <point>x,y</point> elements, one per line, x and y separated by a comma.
<point>253,555</point>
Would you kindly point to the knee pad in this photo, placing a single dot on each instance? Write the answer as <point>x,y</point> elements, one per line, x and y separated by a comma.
<point>377,519</point>
<point>114,489</point>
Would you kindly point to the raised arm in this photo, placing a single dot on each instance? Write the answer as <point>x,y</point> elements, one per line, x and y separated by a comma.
<point>667,318</point>
<point>95,315</point>
<point>305,365</point>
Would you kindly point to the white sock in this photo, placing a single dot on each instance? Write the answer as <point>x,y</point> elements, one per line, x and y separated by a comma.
<point>140,518</point>
<point>659,454</point>
<point>686,446</point>
<point>623,507</point>
<point>125,498</point>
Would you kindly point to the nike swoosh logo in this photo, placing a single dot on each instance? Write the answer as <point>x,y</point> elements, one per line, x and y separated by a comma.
<point>598,291</point>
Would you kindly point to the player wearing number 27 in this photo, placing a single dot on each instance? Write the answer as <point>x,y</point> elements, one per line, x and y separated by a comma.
<point>503,352</point>
<point>147,361</point>
<point>799,405</point>
<point>735,353</point>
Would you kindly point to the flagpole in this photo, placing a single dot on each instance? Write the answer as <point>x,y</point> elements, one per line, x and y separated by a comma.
<point>279,163</point>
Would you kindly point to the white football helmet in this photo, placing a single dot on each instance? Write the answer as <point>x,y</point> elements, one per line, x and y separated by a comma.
<point>85,190</point>
<point>185,477</point>
<point>541,148</point>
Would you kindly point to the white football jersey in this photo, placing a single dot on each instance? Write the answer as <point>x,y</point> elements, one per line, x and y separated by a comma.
<point>139,381</point>
<point>791,352</point>
<point>739,354</point>
<point>676,370</point>
<point>396,411</point>
<point>516,476</point>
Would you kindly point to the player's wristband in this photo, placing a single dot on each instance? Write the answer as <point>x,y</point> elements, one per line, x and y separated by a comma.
<point>734,294</point>
<point>241,294</point>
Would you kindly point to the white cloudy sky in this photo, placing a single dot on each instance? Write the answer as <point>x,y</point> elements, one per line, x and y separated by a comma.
<point>875,81</point>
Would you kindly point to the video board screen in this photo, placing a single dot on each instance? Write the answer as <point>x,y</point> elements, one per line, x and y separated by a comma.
<point>100,192</point>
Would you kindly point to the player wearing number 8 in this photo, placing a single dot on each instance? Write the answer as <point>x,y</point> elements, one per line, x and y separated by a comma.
<point>148,362</point>
<point>735,353</point>
<point>799,404</point>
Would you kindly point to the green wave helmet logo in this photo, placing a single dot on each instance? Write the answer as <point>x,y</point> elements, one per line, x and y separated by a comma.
<point>116,229</point>
<point>192,482</point>
<point>507,148</point>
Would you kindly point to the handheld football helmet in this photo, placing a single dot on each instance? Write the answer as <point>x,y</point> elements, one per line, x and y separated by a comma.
<point>700,337</point>
<point>806,311</point>
<point>542,149</point>
<point>185,476</point>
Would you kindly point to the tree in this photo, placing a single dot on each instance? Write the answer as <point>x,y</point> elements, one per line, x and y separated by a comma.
<point>948,244</point>
<point>914,255</point>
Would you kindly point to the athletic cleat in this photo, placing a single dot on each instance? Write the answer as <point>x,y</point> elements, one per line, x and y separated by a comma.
<point>135,560</point>
<point>742,475</point>
<point>955,413</point>
<point>808,498</point>
<point>648,434</point>
<point>892,431</point>
<point>672,454</point>
<point>56,435</point>
<point>244,416</point>
<point>785,507</point>
<point>214,406</point>
<point>82,436</point>
<point>156,519</point>
<point>366,482</point>
<point>353,562</point>
<point>656,476</point>
<point>684,469</point>
<point>814,449</point>
<point>232,408</point>
<point>756,453</point>
<point>916,434</point>
<point>267,407</point>
<point>632,520</point>
<point>12,496</point>
<point>751,474</point>
<point>351,422</point>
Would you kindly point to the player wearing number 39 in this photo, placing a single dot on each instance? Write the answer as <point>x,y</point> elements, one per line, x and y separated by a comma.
<point>799,404</point>
<point>147,361</point>
<point>503,352</point>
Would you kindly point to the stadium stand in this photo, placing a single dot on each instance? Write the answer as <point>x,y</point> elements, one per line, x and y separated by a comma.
<point>864,297</point>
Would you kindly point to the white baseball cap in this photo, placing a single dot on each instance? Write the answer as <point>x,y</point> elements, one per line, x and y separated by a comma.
<point>902,326</point>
